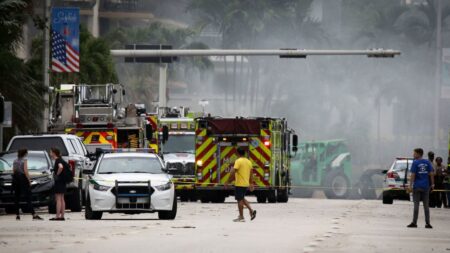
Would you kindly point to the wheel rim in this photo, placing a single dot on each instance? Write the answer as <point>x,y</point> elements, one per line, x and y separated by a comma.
<point>339,186</point>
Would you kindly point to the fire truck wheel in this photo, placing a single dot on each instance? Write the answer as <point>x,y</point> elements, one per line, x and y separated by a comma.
<point>10,210</point>
<point>271,196</point>
<point>184,197</point>
<point>218,198</point>
<point>193,197</point>
<point>282,195</point>
<point>337,185</point>
<point>261,197</point>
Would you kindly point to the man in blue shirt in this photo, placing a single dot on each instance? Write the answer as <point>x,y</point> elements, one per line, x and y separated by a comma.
<point>421,174</point>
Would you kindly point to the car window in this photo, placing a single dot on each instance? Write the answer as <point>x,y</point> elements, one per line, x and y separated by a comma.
<point>41,143</point>
<point>36,162</point>
<point>75,146</point>
<point>70,147</point>
<point>81,145</point>
<point>130,164</point>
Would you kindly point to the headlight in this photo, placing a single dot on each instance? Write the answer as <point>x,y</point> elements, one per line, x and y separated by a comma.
<point>102,188</point>
<point>42,180</point>
<point>164,187</point>
<point>98,186</point>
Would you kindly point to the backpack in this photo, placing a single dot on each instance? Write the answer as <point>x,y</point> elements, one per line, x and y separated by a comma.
<point>67,172</point>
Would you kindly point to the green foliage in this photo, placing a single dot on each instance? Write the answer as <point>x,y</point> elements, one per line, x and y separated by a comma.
<point>17,83</point>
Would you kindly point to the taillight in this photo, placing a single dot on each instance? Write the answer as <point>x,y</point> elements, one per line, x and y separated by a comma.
<point>267,143</point>
<point>72,166</point>
<point>392,174</point>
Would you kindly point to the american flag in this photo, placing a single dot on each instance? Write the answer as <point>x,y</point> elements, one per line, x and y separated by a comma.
<point>64,57</point>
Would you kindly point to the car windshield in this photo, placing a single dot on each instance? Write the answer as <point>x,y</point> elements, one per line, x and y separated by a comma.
<point>41,143</point>
<point>401,166</point>
<point>130,164</point>
<point>180,144</point>
<point>36,162</point>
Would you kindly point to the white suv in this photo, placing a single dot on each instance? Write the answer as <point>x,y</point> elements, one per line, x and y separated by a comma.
<point>72,150</point>
<point>130,183</point>
<point>396,180</point>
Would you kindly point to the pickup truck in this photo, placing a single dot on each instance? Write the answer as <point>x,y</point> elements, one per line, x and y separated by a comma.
<point>72,150</point>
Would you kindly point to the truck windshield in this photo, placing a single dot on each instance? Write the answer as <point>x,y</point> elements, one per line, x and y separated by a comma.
<point>94,94</point>
<point>180,144</point>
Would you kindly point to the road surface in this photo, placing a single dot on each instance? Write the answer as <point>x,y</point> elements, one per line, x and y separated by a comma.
<point>302,225</point>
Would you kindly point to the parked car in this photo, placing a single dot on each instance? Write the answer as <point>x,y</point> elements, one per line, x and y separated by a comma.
<point>130,183</point>
<point>396,180</point>
<point>39,167</point>
<point>72,150</point>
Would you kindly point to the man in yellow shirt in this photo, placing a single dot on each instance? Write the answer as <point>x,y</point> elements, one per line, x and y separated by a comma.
<point>243,180</point>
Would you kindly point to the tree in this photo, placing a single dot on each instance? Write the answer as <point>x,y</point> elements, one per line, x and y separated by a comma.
<point>17,83</point>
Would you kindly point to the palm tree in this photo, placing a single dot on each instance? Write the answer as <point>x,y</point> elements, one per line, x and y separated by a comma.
<point>17,84</point>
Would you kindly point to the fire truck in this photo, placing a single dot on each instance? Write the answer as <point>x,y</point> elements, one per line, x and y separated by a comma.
<point>97,115</point>
<point>269,144</point>
<point>178,149</point>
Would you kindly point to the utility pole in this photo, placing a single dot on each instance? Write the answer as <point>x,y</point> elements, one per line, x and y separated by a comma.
<point>438,74</point>
<point>46,64</point>
<point>162,85</point>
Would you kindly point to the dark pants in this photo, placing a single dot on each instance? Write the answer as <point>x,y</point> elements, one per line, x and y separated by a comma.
<point>447,187</point>
<point>421,195</point>
<point>22,187</point>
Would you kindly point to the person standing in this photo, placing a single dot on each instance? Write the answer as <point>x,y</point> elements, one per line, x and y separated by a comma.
<point>243,177</point>
<point>440,174</point>
<point>433,195</point>
<point>447,182</point>
<point>60,184</point>
<point>421,174</point>
<point>22,183</point>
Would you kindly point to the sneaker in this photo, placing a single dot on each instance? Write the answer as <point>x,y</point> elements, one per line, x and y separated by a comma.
<point>253,215</point>
<point>428,226</point>
<point>412,225</point>
<point>17,217</point>
<point>239,219</point>
<point>37,217</point>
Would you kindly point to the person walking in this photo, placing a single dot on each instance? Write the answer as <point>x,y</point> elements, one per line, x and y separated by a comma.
<point>22,183</point>
<point>421,173</point>
<point>243,177</point>
<point>60,184</point>
<point>440,174</point>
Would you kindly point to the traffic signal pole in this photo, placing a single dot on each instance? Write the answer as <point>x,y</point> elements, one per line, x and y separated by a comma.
<point>282,53</point>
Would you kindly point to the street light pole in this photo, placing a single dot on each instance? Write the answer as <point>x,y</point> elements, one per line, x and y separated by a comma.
<point>438,74</point>
<point>46,64</point>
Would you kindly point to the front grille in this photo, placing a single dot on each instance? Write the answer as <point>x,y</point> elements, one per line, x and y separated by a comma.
<point>181,169</point>
<point>124,191</point>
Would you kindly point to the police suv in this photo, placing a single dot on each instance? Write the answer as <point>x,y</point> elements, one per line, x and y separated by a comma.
<point>130,182</point>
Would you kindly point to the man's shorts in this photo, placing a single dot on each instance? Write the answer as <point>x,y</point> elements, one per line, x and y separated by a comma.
<point>240,192</point>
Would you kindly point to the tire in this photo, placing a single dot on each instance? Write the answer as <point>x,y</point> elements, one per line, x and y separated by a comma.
<point>169,215</point>
<point>10,210</point>
<point>282,195</point>
<point>75,201</point>
<point>271,196</point>
<point>89,214</point>
<point>387,199</point>
<point>218,198</point>
<point>52,207</point>
<point>193,197</point>
<point>184,197</point>
<point>303,193</point>
<point>261,197</point>
<point>337,185</point>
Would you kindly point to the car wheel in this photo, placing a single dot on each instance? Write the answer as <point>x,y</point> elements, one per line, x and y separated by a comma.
<point>169,215</point>
<point>89,214</point>
<point>52,207</point>
<point>337,185</point>
<point>75,201</point>
<point>10,210</point>
<point>387,198</point>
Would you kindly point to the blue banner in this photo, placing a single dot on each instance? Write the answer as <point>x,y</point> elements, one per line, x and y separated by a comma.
<point>65,39</point>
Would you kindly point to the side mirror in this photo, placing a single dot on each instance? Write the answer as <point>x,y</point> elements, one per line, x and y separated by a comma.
<point>148,132</point>
<point>165,134</point>
<point>92,156</point>
<point>295,141</point>
<point>88,172</point>
<point>384,171</point>
<point>295,149</point>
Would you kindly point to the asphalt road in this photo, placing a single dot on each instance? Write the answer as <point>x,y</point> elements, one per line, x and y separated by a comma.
<point>302,225</point>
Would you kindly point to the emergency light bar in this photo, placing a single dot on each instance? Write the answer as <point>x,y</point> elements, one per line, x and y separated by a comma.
<point>100,151</point>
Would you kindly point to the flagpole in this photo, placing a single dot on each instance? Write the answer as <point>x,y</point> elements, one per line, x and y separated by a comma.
<point>46,64</point>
